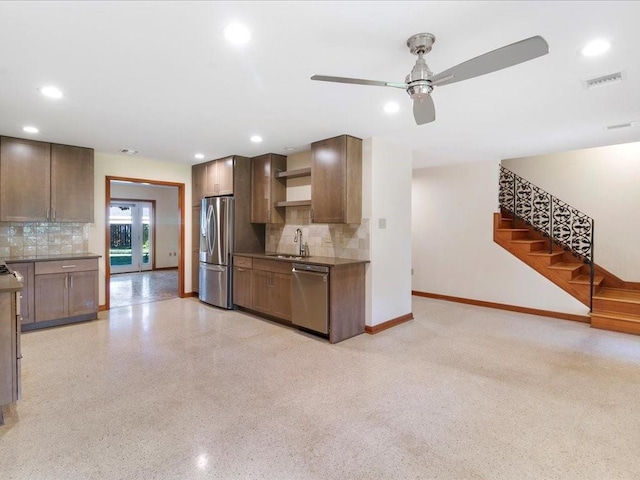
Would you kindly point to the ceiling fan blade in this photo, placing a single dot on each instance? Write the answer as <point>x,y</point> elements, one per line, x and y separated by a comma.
<point>498,59</point>
<point>358,81</point>
<point>423,110</point>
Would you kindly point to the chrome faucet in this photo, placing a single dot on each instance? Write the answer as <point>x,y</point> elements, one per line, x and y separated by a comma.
<point>302,251</point>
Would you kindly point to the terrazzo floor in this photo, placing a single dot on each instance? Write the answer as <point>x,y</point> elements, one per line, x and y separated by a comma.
<point>142,287</point>
<point>179,390</point>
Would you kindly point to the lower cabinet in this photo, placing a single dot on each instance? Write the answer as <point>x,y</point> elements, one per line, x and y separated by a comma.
<point>242,286</point>
<point>57,292</point>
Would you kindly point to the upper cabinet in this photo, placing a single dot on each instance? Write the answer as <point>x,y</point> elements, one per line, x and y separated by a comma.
<point>219,177</point>
<point>336,180</point>
<point>267,189</point>
<point>45,182</point>
<point>198,182</point>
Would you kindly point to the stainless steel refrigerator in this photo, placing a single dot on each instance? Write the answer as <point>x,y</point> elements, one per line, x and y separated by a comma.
<point>216,248</point>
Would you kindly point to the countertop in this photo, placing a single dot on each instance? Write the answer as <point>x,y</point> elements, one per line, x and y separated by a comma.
<point>315,260</point>
<point>50,258</point>
<point>8,283</point>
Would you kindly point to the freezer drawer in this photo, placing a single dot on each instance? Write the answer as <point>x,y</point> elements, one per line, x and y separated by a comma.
<point>310,297</point>
<point>215,285</point>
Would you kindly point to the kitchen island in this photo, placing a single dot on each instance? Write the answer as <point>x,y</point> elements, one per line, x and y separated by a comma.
<point>9,341</point>
<point>264,284</point>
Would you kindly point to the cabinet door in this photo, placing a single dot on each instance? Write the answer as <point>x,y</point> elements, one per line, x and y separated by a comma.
<point>83,292</point>
<point>281,296</point>
<point>212,185</point>
<point>242,286</point>
<point>328,180</point>
<point>225,176</point>
<point>26,295</point>
<point>261,291</point>
<point>51,296</point>
<point>71,184</point>
<point>25,180</point>
<point>260,194</point>
<point>198,183</point>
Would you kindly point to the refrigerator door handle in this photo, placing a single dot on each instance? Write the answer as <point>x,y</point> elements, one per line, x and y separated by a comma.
<point>211,234</point>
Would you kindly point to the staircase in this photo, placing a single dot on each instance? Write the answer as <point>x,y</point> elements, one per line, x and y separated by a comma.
<point>557,241</point>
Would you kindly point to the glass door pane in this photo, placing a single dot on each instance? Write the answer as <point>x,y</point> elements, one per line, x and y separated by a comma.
<point>121,235</point>
<point>146,219</point>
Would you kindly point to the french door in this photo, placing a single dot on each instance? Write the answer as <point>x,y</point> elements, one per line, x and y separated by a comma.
<point>130,241</point>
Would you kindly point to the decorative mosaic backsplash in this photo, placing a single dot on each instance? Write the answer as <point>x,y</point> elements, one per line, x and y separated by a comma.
<point>30,239</point>
<point>325,240</point>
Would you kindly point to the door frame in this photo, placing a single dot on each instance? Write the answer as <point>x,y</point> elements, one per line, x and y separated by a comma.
<point>181,246</point>
<point>153,227</point>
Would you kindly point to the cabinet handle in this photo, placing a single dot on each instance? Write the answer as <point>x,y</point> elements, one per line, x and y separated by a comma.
<point>66,282</point>
<point>268,215</point>
<point>71,280</point>
<point>53,216</point>
<point>68,266</point>
<point>240,269</point>
<point>46,213</point>
<point>311,213</point>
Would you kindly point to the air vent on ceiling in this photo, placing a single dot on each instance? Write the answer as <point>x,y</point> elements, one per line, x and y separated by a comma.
<point>128,151</point>
<point>604,80</point>
<point>620,126</point>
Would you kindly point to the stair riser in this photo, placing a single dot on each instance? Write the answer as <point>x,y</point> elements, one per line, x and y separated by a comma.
<point>623,326</point>
<point>618,307</point>
<point>568,274</point>
<point>513,235</point>
<point>528,247</point>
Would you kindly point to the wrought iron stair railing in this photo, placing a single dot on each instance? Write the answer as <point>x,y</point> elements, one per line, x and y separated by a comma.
<point>562,224</point>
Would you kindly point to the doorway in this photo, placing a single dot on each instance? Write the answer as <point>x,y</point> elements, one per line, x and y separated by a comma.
<point>131,236</point>
<point>161,254</point>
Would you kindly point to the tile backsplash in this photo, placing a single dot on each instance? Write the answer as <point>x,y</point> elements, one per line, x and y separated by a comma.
<point>325,240</point>
<point>31,239</point>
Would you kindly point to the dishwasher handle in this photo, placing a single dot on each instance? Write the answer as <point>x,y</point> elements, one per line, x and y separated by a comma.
<point>307,268</point>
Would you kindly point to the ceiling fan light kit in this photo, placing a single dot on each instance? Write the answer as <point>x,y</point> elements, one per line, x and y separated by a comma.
<point>420,82</point>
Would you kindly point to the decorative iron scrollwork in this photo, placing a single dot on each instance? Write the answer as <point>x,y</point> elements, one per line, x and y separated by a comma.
<point>563,224</point>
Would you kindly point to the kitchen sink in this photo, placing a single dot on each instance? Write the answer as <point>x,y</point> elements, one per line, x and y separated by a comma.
<point>282,255</point>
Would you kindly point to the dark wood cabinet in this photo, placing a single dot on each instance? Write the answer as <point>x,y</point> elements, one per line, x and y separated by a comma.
<point>10,356</point>
<point>336,180</point>
<point>219,177</point>
<point>281,295</point>
<point>25,180</point>
<point>71,184</point>
<point>242,290</point>
<point>198,181</point>
<point>45,182</point>
<point>26,269</point>
<point>65,291</point>
<point>195,248</point>
<point>267,189</point>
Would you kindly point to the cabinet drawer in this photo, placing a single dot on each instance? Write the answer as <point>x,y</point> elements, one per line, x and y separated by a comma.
<point>272,266</point>
<point>65,266</point>
<point>244,262</point>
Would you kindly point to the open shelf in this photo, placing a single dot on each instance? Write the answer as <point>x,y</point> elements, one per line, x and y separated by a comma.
<point>295,203</point>
<point>300,172</point>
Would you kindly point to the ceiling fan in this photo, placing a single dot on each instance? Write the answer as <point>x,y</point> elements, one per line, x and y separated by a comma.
<point>420,81</point>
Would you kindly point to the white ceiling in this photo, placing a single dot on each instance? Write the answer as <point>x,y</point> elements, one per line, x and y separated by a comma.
<point>160,78</point>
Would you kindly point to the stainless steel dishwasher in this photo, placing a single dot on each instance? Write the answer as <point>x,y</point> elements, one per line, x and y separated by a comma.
<point>310,292</point>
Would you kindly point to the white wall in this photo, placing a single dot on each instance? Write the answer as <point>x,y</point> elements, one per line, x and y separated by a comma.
<point>603,183</point>
<point>387,196</point>
<point>452,242</point>
<point>167,217</point>
<point>138,168</point>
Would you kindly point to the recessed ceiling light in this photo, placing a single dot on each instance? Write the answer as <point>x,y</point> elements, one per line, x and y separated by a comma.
<point>237,34</point>
<point>256,138</point>
<point>620,126</point>
<point>595,48</point>
<point>128,151</point>
<point>30,129</point>
<point>391,107</point>
<point>51,91</point>
<point>289,149</point>
<point>199,156</point>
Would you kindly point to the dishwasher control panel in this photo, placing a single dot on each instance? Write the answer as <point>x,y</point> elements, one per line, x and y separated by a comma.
<point>305,267</point>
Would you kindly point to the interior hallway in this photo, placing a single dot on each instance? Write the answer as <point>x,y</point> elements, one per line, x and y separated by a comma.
<point>177,389</point>
<point>142,287</point>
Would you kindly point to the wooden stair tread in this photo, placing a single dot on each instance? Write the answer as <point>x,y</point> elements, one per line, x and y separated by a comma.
<point>512,229</point>
<point>628,317</point>
<point>618,295</point>
<point>547,254</point>
<point>586,280</point>
<point>566,266</point>
<point>528,241</point>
